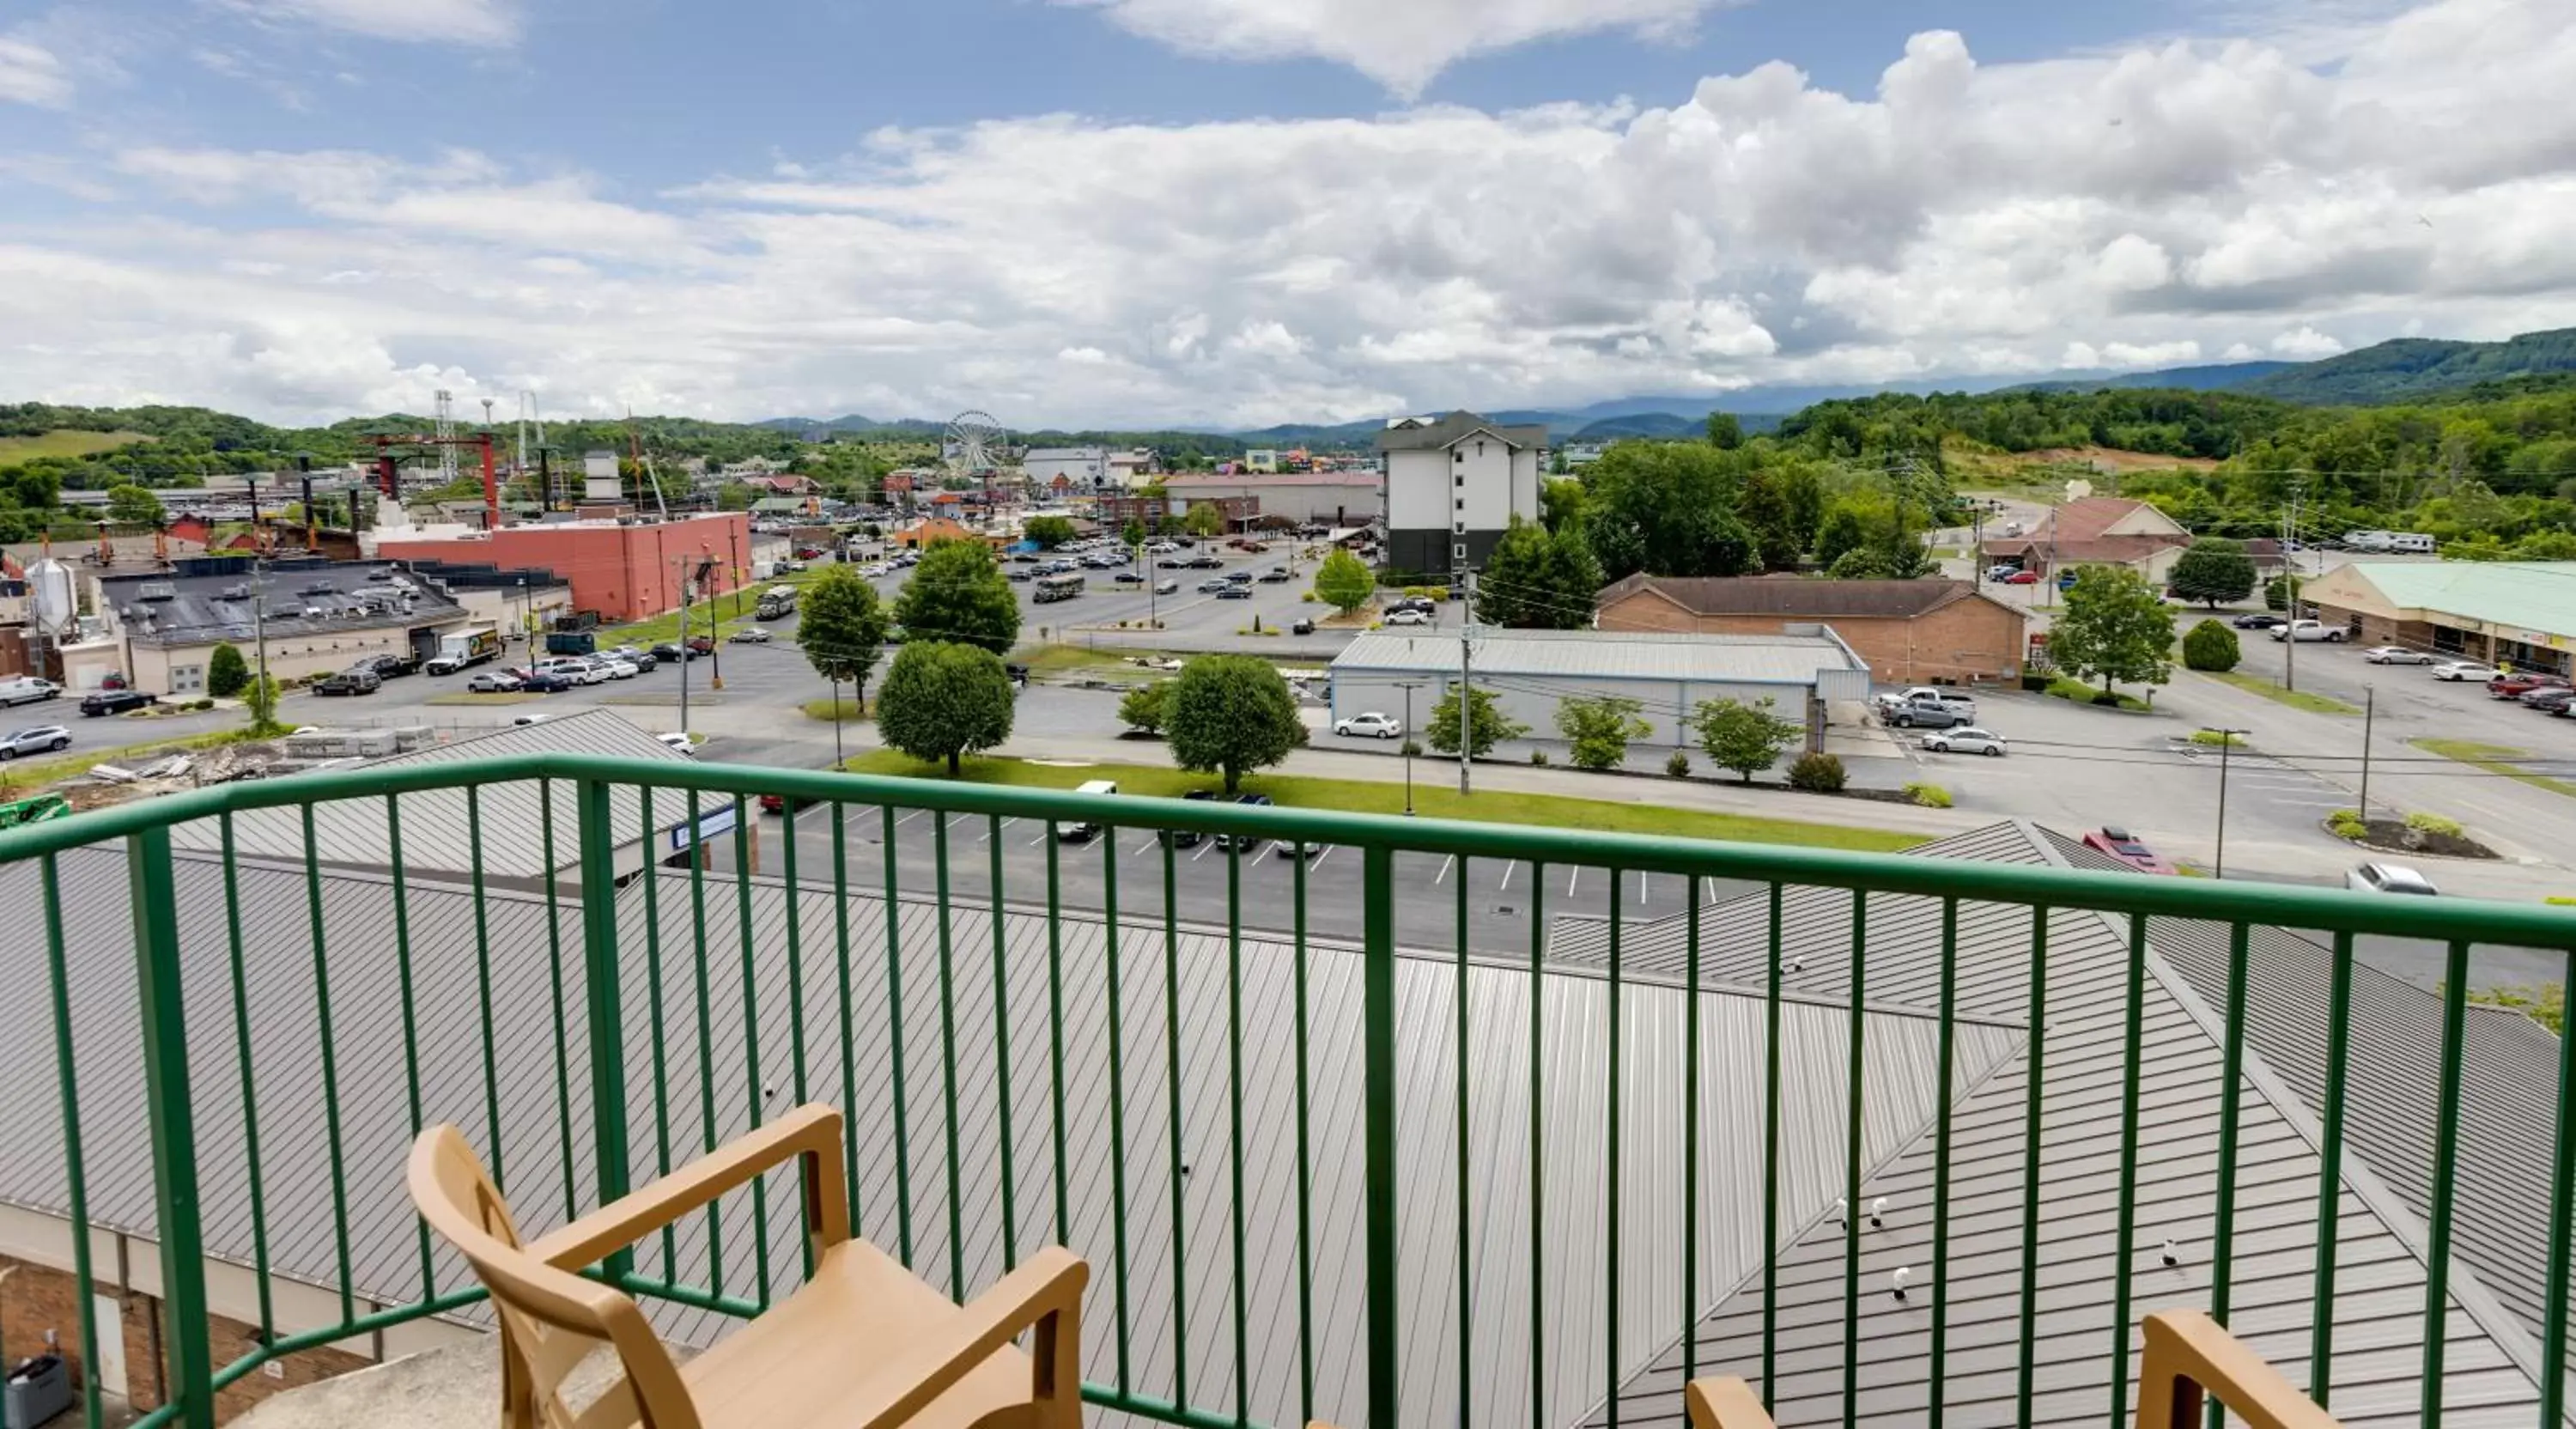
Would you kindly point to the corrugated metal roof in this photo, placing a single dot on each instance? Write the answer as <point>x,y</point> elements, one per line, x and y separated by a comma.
<point>1629,655</point>
<point>2380,1278</point>
<point>2516,595</point>
<point>705,1070</point>
<point>437,823</point>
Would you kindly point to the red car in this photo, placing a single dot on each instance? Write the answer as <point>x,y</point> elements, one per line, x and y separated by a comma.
<point>2022,578</point>
<point>2515,686</point>
<point>2119,843</point>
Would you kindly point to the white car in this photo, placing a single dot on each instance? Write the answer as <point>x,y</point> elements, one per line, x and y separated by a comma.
<point>2478,670</point>
<point>1407,617</point>
<point>1161,548</point>
<point>1371,725</point>
<point>1965,739</point>
<point>2395,655</point>
<point>494,682</point>
<point>679,740</point>
<point>616,667</point>
<point>748,635</point>
<point>43,739</point>
<point>575,669</point>
<point>2389,878</point>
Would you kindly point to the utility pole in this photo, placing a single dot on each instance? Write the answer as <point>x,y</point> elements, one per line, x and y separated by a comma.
<point>2227,742</point>
<point>682,566</point>
<point>259,619</point>
<point>2290,565</point>
<point>1466,686</point>
<point>1408,686</point>
<point>2369,711</point>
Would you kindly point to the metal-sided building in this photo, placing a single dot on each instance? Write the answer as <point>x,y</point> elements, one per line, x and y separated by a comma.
<point>1802,671</point>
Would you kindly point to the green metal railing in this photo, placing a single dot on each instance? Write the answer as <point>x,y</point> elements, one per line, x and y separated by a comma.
<point>640,1012</point>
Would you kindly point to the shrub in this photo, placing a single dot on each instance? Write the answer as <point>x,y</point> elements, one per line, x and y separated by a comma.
<point>2213,738</point>
<point>227,673</point>
<point>1415,592</point>
<point>1930,796</point>
<point>2433,824</point>
<point>1304,597</point>
<point>1818,774</point>
<point>1410,749</point>
<point>2034,681</point>
<point>2210,646</point>
<point>1438,592</point>
<point>1538,756</point>
<point>2346,824</point>
<point>1678,766</point>
<point>1142,707</point>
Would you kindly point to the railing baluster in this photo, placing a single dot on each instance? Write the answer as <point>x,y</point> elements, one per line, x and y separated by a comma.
<point>2034,1090</point>
<point>795,900</point>
<point>1055,1025</point>
<point>1944,1092</point>
<point>331,1071</point>
<point>1117,1090</point>
<point>1852,1156</point>
<point>894,1042</point>
<point>1305,1219</point>
<point>849,1049</point>
<point>653,989</point>
<point>1377,1000</point>
<point>595,820</point>
<point>1771,1163</point>
<point>554,973</point>
<point>242,1046</point>
<point>1234,1105</point>
<point>1612,1115</point>
<point>706,1038</point>
<point>152,894</point>
<point>948,1060</point>
<point>2562,1208</point>
<point>1466,1298</point>
<point>1172,1105</point>
<point>75,1162</point>
<point>2123,1270</point>
<point>1002,1042</point>
<point>758,1188</point>
<point>2446,1150</point>
<point>1690,1135</point>
<point>1537,1143</point>
<point>2232,1068</point>
<point>482,962</point>
<point>2330,1175</point>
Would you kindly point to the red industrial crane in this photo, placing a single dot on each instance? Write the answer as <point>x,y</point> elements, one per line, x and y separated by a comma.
<point>389,481</point>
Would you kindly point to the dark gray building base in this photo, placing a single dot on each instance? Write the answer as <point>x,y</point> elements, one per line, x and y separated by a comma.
<point>1434,552</point>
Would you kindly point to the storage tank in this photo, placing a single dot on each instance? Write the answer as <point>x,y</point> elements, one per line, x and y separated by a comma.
<point>51,589</point>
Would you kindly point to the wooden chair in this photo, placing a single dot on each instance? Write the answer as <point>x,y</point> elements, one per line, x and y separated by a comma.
<point>862,1345</point>
<point>2187,1355</point>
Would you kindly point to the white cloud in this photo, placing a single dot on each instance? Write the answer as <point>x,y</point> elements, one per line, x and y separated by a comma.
<point>2304,343</point>
<point>483,23</point>
<point>32,74</point>
<point>1956,219</point>
<point>1402,46</point>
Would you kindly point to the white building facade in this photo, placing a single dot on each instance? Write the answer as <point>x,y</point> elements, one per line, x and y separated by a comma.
<point>1453,485</point>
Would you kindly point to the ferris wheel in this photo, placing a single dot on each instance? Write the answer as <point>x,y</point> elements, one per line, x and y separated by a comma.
<point>975,442</point>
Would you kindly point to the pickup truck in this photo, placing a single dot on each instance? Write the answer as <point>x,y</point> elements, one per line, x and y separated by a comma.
<point>2308,630</point>
<point>1923,714</point>
<point>1961,701</point>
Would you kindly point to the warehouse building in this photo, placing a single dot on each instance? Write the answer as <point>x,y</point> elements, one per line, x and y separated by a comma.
<point>2521,613</point>
<point>1804,671</point>
<point>1332,498</point>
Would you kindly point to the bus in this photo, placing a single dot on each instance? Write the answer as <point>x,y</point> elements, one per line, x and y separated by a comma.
<point>1064,586</point>
<point>775,602</point>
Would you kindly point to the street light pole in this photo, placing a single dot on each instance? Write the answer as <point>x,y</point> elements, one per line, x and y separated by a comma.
<point>2226,742</point>
<point>1408,686</point>
<point>2369,711</point>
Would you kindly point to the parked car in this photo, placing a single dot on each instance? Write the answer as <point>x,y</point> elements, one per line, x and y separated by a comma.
<point>2002,573</point>
<point>679,740</point>
<point>2478,670</point>
<point>1371,725</point>
<point>1928,714</point>
<point>2115,842</point>
<point>545,682</point>
<point>1234,590</point>
<point>41,739</point>
<point>1129,578</point>
<point>1966,739</point>
<point>1274,575</point>
<point>748,635</point>
<point>2259,621</point>
<point>701,645</point>
<point>1167,587</point>
<point>1960,700</point>
<point>637,656</point>
<point>1244,843</point>
<point>389,667</point>
<point>1213,584</point>
<point>616,667</point>
<point>2395,655</point>
<point>572,669</point>
<point>673,654</point>
<point>1303,626</point>
<point>2307,630</point>
<point>2549,699</point>
<point>2021,578</point>
<point>496,682</point>
<point>2390,878</point>
<point>27,690</point>
<point>1408,617</point>
<point>1188,838</point>
<point>356,680</point>
<point>2521,683</point>
<point>1173,563</point>
<point>106,702</point>
<point>1207,563</point>
<point>1017,574</point>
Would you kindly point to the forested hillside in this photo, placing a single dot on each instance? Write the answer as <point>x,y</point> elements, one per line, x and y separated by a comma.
<point>2414,368</point>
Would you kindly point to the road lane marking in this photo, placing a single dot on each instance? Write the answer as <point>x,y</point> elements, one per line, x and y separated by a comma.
<point>1443,875</point>
<point>1033,843</point>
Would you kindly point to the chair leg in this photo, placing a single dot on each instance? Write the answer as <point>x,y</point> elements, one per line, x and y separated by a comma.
<point>1055,1371</point>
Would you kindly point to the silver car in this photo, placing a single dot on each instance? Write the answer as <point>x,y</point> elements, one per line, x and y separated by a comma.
<point>2395,655</point>
<point>40,739</point>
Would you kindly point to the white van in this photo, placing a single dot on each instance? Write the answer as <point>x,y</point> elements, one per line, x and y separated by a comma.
<point>1085,832</point>
<point>27,690</point>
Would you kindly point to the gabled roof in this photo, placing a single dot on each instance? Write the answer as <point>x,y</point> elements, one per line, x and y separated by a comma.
<point>1429,434</point>
<point>2081,531</point>
<point>1797,597</point>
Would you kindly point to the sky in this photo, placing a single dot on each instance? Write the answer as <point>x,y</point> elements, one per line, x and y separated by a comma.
<point>1241,212</point>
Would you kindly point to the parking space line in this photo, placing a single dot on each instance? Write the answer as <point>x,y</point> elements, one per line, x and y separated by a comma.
<point>1205,844</point>
<point>1041,838</point>
<point>1643,897</point>
<point>1571,875</point>
<point>1143,848</point>
<point>1506,885</point>
<point>908,818</point>
<point>1265,853</point>
<point>1319,858</point>
<point>1443,875</point>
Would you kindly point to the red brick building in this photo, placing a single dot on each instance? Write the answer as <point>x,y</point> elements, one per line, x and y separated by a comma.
<point>1910,632</point>
<point>618,572</point>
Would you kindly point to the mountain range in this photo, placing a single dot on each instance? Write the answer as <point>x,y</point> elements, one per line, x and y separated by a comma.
<point>2400,370</point>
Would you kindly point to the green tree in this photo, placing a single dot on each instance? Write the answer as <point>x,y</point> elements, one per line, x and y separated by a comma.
<point>1049,531</point>
<point>1230,714</point>
<point>1537,581</point>
<point>1142,707</point>
<point>1487,725</point>
<point>1839,533</point>
<point>1668,509</point>
<point>2210,646</point>
<point>736,496</point>
<point>959,593</point>
<point>1560,502</point>
<point>1747,738</point>
<point>2276,593</point>
<point>1132,534</point>
<point>2115,628</point>
<point>1600,729</point>
<point>944,700</point>
<point>841,627</point>
<point>1205,519</point>
<point>2213,570</point>
<point>261,697</point>
<point>1344,582</point>
<point>226,672</point>
<point>130,505</point>
<point>1725,432</point>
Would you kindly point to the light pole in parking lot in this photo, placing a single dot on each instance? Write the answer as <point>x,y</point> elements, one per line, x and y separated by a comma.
<point>2226,742</point>
<point>1408,686</point>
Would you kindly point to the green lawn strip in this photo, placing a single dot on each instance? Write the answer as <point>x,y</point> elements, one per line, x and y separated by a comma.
<point>1051,659</point>
<point>1364,797</point>
<point>665,629</point>
<point>2078,692</point>
<point>2495,759</point>
<point>64,768</point>
<point>825,708</point>
<point>2295,699</point>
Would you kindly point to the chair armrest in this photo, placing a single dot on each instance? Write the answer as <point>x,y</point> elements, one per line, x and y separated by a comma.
<point>2188,1353</point>
<point>812,1132</point>
<point>1724,1403</point>
<point>1048,1283</point>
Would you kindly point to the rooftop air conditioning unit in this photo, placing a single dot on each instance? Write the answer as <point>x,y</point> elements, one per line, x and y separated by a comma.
<point>156,590</point>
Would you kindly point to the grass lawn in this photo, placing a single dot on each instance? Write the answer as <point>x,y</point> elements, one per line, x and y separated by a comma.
<point>827,708</point>
<point>2295,699</point>
<point>1367,797</point>
<point>65,442</point>
<point>1058,658</point>
<point>665,629</point>
<point>2078,692</point>
<point>20,776</point>
<point>2495,759</point>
